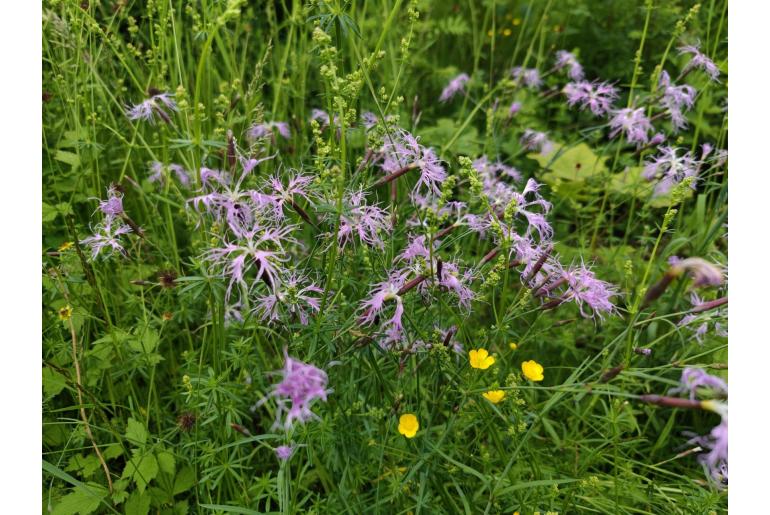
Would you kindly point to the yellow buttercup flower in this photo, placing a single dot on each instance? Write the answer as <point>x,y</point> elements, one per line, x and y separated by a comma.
<point>65,313</point>
<point>532,370</point>
<point>494,396</point>
<point>408,425</point>
<point>480,358</point>
<point>513,346</point>
<point>507,32</point>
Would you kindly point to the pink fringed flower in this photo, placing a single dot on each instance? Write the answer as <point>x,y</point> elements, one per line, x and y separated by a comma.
<point>596,96</point>
<point>294,297</point>
<point>362,220</point>
<point>633,122</point>
<point>568,60</point>
<point>300,386</point>
<point>699,60</point>
<point>455,86</point>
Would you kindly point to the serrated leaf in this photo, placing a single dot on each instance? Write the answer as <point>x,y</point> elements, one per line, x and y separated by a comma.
<point>136,432</point>
<point>81,500</point>
<point>142,469</point>
<point>49,213</point>
<point>53,382</point>
<point>166,462</point>
<point>146,343</point>
<point>138,504</point>
<point>85,466</point>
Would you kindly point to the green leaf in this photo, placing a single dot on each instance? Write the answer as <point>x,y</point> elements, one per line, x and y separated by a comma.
<point>142,469</point>
<point>146,343</point>
<point>575,163</point>
<point>53,382</point>
<point>166,462</point>
<point>184,480</point>
<point>67,157</point>
<point>138,504</point>
<point>81,500</point>
<point>467,143</point>
<point>49,213</point>
<point>136,433</point>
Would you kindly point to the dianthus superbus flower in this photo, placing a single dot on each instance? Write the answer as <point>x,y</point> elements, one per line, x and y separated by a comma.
<point>270,129</point>
<point>375,305</point>
<point>362,220</point>
<point>699,60</point>
<point>455,86</point>
<point>538,141</point>
<point>157,170</point>
<point>633,122</point>
<point>106,237</point>
<point>113,206</point>
<point>670,168</point>
<point>152,107</point>
<point>568,60</point>
<point>695,378</point>
<point>300,386</point>
<point>528,77</point>
<point>284,452</point>
<point>676,100</point>
<point>596,96</point>
<point>293,296</point>
<point>403,151</point>
<point>585,289</point>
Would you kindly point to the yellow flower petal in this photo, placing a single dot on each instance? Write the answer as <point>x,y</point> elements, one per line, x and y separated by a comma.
<point>494,396</point>
<point>513,346</point>
<point>480,358</point>
<point>408,425</point>
<point>532,370</point>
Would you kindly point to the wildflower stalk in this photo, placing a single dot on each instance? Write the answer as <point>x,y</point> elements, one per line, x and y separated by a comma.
<point>712,304</point>
<point>79,389</point>
<point>395,175</point>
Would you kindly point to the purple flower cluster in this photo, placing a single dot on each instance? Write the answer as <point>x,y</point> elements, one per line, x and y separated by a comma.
<point>253,252</point>
<point>633,122</point>
<point>596,96</point>
<point>670,169</point>
<point>106,236</point>
<point>694,379</point>
<point>568,60</point>
<point>528,77</point>
<point>156,105</point>
<point>715,443</point>
<point>699,61</point>
<point>292,297</point>
<point>158,173</point>
<point>362,220</point>
<point>676,100</point>
<point>269,130</point>
<point>301,384</point>
<point>404,150</point>
<point>455,86</point>
<point>537,141</point>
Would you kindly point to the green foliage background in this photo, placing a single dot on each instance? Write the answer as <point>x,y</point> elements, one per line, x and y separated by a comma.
<point>164,398</point>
